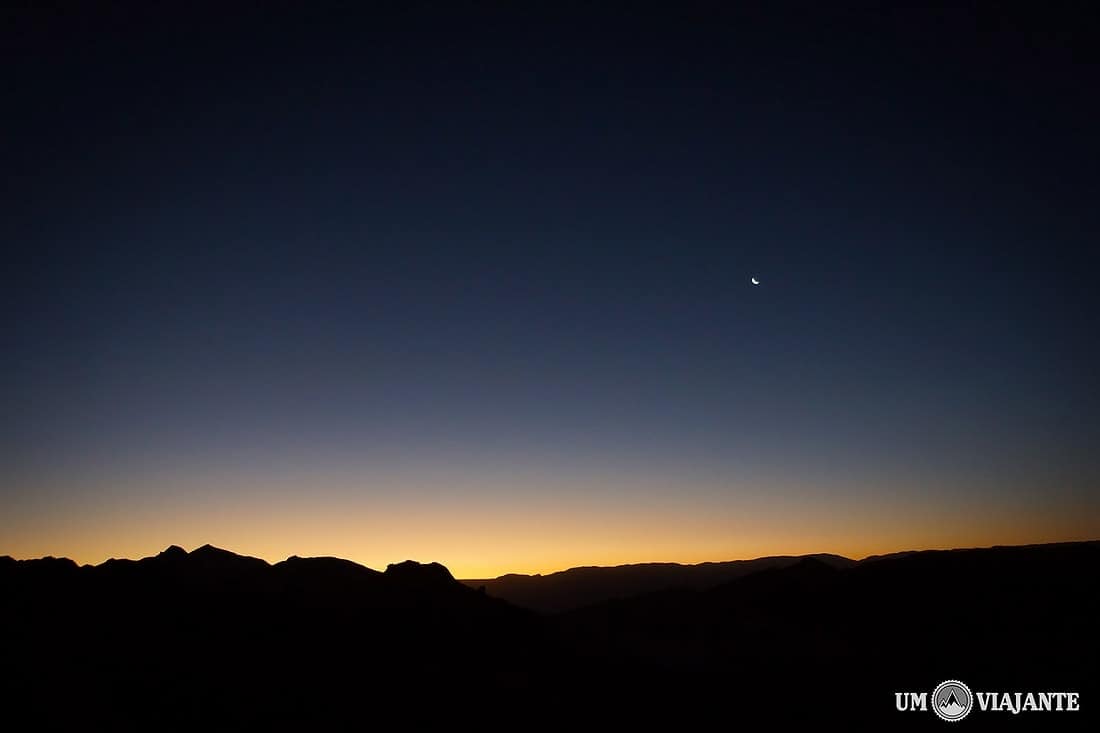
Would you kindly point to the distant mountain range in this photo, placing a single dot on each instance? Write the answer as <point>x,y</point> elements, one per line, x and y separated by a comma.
<point>577,587</point>
<point>213,639</point>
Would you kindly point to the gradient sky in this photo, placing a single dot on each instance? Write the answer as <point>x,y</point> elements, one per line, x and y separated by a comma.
<point>473,286</point>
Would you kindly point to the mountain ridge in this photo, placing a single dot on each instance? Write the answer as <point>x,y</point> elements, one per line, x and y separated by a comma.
<point>221,638</point>
<point>581,586</point>
<point>174,550</point>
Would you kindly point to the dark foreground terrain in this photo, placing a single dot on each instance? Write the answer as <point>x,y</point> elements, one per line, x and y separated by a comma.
<point>210,638</point>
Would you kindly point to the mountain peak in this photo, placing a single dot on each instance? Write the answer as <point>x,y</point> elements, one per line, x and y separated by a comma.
<point>173,552</point>
<point>421,574</point>
<point>210,556</point>
<point>209,549</point>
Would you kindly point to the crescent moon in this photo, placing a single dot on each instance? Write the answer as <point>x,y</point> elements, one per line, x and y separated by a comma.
<point>754,281</point>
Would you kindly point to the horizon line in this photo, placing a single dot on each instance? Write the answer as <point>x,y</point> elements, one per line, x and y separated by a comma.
<point>575,567</point>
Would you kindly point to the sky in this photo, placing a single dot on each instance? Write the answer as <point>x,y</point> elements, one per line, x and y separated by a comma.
<point>471,284</point>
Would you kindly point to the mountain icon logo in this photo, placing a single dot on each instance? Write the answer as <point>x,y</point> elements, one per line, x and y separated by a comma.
<point>951,700</point>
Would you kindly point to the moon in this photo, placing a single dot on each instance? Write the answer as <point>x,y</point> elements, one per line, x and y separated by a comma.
<point>754,281</point>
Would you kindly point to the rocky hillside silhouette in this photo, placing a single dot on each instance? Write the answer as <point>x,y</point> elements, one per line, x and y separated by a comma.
<point>210,638</point>
<point>211,635</point>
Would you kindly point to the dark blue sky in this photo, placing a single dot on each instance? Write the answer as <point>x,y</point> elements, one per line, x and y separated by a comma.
<point>340,260</point>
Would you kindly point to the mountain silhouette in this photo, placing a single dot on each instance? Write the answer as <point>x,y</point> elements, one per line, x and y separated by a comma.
<point>582,586</point>
<point>410,574</point>
<point>307,636</point>
<point>211,638</point>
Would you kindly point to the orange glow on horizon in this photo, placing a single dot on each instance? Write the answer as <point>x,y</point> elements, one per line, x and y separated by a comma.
<point>475,543</point>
